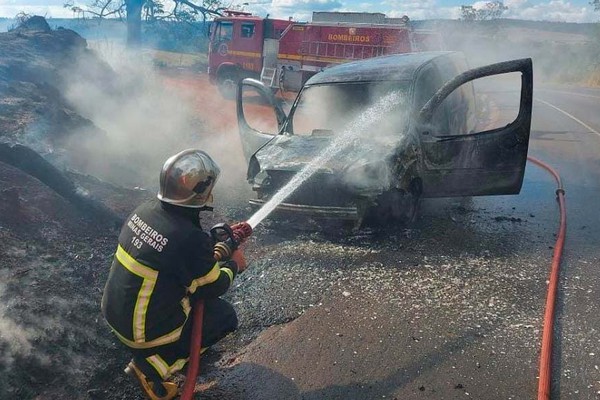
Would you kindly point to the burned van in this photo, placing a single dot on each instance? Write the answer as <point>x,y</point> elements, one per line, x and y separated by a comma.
<point>372,137</point>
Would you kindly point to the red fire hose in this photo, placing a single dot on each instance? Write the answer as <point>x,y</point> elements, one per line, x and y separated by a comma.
<point>235,234</point>
<point>544,385</point>
<point>195,349</point>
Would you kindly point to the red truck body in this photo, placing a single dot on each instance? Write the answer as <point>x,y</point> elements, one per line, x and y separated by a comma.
<point>284,54</point>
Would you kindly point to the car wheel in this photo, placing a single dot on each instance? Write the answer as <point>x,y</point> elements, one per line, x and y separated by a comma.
<point>395,206</point>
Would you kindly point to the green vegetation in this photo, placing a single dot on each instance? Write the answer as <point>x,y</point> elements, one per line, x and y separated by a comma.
<point>168,59</point>
<point>489,10</point>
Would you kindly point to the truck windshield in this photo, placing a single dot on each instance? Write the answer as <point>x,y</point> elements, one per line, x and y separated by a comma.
<point>327,109</point>
<point>223,31</point>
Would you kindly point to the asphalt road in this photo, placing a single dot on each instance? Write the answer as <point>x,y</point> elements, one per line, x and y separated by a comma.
<point>451,308</point>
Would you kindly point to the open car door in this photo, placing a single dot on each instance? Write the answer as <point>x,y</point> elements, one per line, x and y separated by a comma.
<point>260,116</point>
<point>489,162</point>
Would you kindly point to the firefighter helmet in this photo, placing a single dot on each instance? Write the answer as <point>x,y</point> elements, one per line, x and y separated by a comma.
<point>187,179</point>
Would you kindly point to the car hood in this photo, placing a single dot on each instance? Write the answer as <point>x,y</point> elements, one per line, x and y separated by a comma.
<point>291,153</point>
<point>363,166</point>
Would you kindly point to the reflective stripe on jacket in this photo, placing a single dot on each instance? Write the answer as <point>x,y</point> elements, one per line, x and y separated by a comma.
<point>162,259</point>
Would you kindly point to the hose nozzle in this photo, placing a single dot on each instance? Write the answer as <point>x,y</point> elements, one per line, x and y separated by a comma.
<point>228,238</point>
<point>222,251</point>
<point>241,231</point>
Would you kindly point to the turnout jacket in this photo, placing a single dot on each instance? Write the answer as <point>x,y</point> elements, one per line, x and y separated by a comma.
<point>164,259</point>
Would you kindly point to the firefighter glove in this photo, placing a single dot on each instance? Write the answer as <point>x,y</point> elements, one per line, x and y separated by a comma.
<point>239,259</point>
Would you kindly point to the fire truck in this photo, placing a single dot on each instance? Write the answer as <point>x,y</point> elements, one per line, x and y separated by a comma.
<point>284,54</point>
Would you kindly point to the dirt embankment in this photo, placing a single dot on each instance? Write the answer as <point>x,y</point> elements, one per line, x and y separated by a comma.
<point>56,237</point>
<point>56,225</point>
<point>36,120</point>
<point>36,63</point>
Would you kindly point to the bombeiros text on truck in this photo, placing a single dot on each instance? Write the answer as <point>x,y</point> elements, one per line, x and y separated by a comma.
<point>284,54</point>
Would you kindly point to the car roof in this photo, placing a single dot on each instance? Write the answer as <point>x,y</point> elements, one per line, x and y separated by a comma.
<point>395,67</point>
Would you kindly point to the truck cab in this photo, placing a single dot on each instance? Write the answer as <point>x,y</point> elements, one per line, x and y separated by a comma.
<point>240,44</point>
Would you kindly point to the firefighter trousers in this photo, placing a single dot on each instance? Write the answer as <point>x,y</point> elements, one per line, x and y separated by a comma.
<point>158,363</point>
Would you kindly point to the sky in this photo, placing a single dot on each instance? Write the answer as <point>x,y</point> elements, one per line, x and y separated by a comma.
<point>548,10</point>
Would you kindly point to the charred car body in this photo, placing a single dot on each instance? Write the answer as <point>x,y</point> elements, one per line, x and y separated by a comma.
<point>432,142</point>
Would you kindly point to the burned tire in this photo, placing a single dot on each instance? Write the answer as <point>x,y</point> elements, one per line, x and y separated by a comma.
<point>395,206</point>
<point>227,82</point>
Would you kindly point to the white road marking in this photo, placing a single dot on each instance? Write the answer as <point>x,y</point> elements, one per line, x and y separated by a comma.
<point>591,96</point>
<point>592,130</point>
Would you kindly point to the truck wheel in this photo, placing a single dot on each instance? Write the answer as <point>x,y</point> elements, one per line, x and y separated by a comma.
<point>227,82</point>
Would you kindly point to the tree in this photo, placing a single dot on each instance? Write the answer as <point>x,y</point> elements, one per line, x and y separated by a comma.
<point>134,22</point>
<point>98,9</point>
<point>209,8</point>
<point>149,10</point>
<point>468,13</point>
<point>491,10</point>
<point>596,4</point>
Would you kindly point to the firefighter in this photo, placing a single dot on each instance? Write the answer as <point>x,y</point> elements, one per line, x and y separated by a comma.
<point>163,263</point>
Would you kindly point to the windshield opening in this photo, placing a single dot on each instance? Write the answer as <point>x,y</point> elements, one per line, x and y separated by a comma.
<point>324,110</point>
<point>223,32</point>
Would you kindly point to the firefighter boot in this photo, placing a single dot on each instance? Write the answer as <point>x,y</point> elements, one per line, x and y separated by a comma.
<point>168,390</point>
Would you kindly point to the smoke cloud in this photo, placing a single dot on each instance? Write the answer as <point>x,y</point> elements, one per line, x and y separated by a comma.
<point>144,120</point>
<point>562,53</point>
<point>26,325</point>
<point>15,339</point>
<point>45,329</point>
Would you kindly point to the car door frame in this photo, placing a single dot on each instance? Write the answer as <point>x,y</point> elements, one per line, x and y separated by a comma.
<point>252,139</point>
<point>491,162</point>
